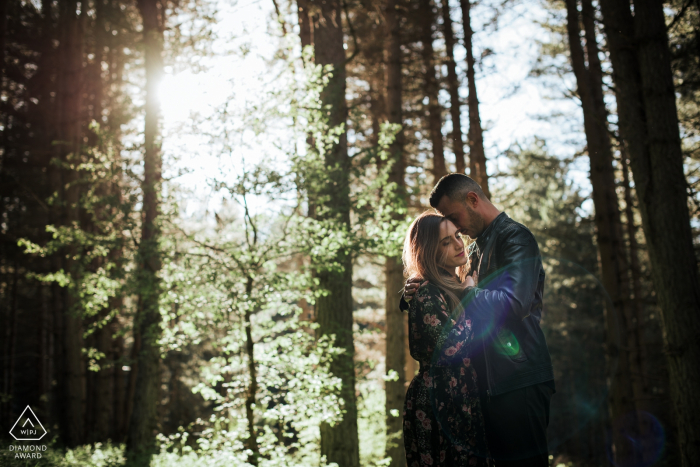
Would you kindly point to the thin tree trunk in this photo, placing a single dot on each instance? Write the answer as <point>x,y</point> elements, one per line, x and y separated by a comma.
<point>644,86</point>
<point>5,314</point>
<point>143,424</point>
<point>102,389</point>
<point>46,347</point>
<point>339,443</point>
<point>69,148</point>
<point>619,340</point>
<point>477,155</point>
<point>48,120</point>
<point>119,384</point>
<point>253,385</point>
<point>636,270</point>
<point>453,88</point>
<point>393,269</point>
<point>10,342</point>
<point>122,387</point>
<point>96,81</point>
<point>305,32</point>
<point>431,89</point>
<point>634,343</point>
<point>3,35</point>
<point>306,35</point>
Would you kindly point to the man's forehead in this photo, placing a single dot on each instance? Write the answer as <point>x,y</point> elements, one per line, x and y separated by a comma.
<point>447,207</point>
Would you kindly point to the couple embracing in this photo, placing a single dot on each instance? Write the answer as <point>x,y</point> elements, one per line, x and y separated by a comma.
<point>482,394</point>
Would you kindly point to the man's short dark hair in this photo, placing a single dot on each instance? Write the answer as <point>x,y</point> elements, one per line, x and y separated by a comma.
<point>455,187</point>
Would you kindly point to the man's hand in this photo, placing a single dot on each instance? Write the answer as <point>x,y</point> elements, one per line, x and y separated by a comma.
<point>410,288</point>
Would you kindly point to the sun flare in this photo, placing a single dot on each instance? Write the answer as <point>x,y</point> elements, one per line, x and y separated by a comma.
<point>184,94</point>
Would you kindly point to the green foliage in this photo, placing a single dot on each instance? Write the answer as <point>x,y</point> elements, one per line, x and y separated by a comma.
<point>238,289</point>
<point>371,424</point>
<point>98,245</point>
<point>247,280</point>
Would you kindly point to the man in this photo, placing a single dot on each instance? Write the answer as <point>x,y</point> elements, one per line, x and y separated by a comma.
<point>513,365</point>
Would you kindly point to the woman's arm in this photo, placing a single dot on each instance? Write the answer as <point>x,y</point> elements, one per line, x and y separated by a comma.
<point>444,337</point>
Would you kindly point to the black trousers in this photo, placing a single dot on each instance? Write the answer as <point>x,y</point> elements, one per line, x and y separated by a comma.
<point>516,426</point>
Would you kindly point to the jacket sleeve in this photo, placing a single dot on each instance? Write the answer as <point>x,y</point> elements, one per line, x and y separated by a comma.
<point>443,336</point>
<point>511,289</point>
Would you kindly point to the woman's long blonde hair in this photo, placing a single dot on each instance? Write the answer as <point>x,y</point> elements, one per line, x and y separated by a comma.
<point>420,251</point>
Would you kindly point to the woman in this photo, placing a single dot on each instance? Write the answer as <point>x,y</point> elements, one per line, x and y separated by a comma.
<point>443,425</point>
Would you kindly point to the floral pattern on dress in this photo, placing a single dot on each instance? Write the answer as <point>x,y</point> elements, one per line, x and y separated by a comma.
<point>442,421</point>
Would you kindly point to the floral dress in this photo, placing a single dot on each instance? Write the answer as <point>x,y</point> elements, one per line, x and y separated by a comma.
<point>442,420</point>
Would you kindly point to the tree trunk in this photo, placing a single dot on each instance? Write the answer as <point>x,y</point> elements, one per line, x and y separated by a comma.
<point>477,155</point>
<point>46,347</point>
<point>644,85</point>
<point>253,385</point>
<point>3,34</point>
<point>642,398</point>
<point>119,383</point>
<point>303,14</point>
<point>339,443</point>
<point>431,89</point>
<point>48,122</point>
<point>102,389</point>
<point>453,88</point>
<point>143,424</point>
<point>69,149</point>
<point>393,269</point>
<point>10,343</point>
<point>636,271</point>
<point>624,383</point>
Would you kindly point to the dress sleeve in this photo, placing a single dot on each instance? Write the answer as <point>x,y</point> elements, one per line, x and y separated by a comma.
<point>440,336</point>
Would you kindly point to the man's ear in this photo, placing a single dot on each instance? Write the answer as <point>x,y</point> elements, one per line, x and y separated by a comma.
<point>472,199</point>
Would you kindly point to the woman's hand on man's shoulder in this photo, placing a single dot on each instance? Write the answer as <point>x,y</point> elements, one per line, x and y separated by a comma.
<point>411,287</point>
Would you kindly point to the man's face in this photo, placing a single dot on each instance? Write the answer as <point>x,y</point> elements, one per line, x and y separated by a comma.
<point>467,220</point>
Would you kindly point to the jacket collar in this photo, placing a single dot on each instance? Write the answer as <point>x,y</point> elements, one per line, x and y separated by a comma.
<point>488,231</point>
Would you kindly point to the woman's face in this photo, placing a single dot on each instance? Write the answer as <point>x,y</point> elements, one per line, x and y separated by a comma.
<point>451,252</point>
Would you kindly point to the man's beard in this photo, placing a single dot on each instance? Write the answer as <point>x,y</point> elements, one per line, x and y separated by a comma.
<point>476,222</point>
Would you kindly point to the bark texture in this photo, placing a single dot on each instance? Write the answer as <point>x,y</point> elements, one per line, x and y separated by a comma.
<point>68,147</point>
<point>636,273</point>
<point>626,390</point>
<point>644,86</point>
<point>477,155</point>
<point>143,423</point>
<point>393,269</point>
<point>339,443</point>
<point>453,88</point>
<point>431,88</point>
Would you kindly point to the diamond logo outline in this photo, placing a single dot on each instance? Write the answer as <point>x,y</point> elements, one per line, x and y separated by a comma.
<point>35,418</point>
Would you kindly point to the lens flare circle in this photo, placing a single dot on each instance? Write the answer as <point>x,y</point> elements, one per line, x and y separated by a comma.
<point>576,300</point>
